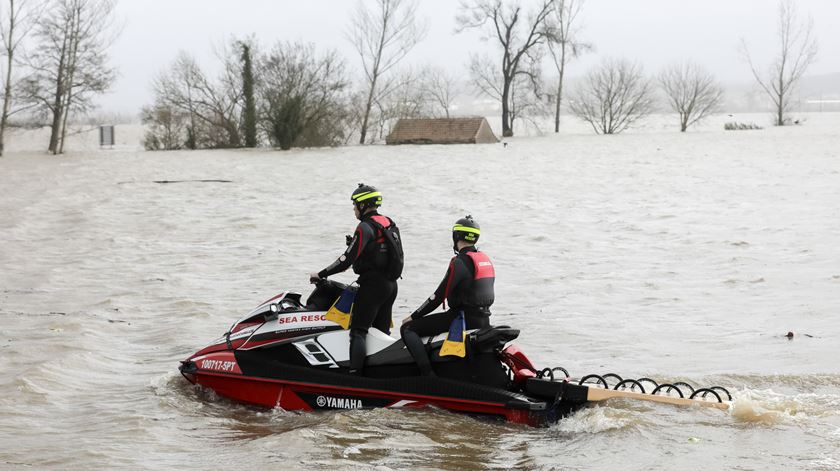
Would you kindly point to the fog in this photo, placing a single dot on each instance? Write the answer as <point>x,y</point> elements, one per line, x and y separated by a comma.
<point>653,32</point>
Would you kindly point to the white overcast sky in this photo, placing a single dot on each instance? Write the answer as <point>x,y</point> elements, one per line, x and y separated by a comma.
<point>652,32</point>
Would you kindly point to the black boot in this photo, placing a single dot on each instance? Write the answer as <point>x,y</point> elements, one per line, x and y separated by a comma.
<point>418,351</point>
<point>358,351</point>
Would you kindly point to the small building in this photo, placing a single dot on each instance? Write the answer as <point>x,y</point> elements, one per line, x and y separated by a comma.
<point>441,131</point>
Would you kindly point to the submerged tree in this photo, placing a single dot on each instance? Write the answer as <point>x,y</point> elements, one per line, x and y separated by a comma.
<point>524,95</point>
<point>213,109</point>
<point>797,51</point>
<point>519,34</point>
<point>166,128</point>
<point>303,97</point>
<point>692,92</point>
<point>249,114</point>
<point>383,36</point>
<point>439,89</point>
<point>616,95</point>
<point>564,45</point>
<point>403,96</point>
<point>70,63</point>
<point>17,19</point>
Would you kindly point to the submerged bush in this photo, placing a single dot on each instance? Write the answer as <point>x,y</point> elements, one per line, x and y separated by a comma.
<point>165,127</point>
<point>735,126</point>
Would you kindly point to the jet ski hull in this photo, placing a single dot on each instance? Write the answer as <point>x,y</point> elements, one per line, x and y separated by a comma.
<point>298,389</point>
<point>286,354</point>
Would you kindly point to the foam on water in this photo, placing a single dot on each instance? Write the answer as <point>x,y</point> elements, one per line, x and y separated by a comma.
<point>767,406</point>
<point>600,419</point>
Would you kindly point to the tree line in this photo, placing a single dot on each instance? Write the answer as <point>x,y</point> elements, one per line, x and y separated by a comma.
<point>616,94</point>
<point>290,94</point>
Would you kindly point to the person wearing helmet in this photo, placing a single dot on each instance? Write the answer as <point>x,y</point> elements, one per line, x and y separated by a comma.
<point>372,254</point>
<point>467,286</point>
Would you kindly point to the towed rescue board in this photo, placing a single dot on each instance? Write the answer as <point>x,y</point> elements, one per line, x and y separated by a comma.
<point>581,393</point>
<point>598,394</point>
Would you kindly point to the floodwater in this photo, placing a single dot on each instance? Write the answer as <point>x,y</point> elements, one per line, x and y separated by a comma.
<point>677,257</point>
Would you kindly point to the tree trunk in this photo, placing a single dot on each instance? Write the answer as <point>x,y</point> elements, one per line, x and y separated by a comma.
<point>780,112</point>
<point>57,109</point>
<point>368,106</point>
<point>58,103</point>
<point>557,106</point>
<point>250,112</point>
<point>65,114</point>
<point>72,61</point>
<point>506,128</point>
<point>561,72</point>
<point>780,117</point>
<point>7,104</point>
<point>7,89</point>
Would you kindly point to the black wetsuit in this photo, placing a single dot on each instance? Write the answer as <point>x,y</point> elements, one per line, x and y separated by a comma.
<point>368,254</point>
<point>468,287</point>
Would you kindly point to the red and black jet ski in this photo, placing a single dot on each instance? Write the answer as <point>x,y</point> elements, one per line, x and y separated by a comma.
<point>287,354</point>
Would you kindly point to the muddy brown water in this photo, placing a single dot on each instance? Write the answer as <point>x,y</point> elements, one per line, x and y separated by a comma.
<point>678,257</point>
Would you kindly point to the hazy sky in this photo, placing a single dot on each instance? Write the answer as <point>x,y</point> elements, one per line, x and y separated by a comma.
<point>653,32</point>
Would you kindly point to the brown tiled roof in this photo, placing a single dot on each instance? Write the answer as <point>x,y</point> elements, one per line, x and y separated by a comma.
<point>440,131</point>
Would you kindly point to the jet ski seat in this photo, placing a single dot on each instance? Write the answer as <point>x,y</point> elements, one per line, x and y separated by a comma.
<point>492,338</point>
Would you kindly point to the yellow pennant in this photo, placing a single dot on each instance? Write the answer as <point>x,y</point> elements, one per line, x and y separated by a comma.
<point>340,318</point>
<point>342,309</point>
<point>454,348</point>
<point>456,341</point>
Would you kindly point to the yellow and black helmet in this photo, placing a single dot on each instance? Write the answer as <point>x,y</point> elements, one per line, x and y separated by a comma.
<point>366,196</point>
<point>466,229</point>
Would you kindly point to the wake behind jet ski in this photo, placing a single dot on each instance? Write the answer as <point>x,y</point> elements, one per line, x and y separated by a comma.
<point>285,353</point>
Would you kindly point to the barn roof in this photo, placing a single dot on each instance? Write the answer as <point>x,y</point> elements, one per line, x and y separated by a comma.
<point>441,131</point>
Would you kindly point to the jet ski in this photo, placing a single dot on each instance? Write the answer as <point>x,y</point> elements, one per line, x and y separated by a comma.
<point>286,354</point>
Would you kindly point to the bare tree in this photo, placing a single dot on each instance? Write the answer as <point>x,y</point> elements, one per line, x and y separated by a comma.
<point>20,18</point>
<point>528,103</point>
<point>383,36</point>
<point>797,51</point>
<point>178,91</point>
<point>214,109</point>
<point>524,94</point>
<point>518,36</point>
<point>486,77</point>
<point>615,97</point>
<point>564,45</point>
<point>401,97</point>
<point>69,65</point>
<point>303,96</point>
<point>439,89</point>
<point>692,92</point>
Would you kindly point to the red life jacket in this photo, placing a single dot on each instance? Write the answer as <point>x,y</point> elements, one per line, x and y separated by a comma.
<point>483,265</point>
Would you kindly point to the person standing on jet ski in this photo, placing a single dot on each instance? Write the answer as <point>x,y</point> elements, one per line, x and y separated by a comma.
<point>467,286</point>
<point>375,252</point>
